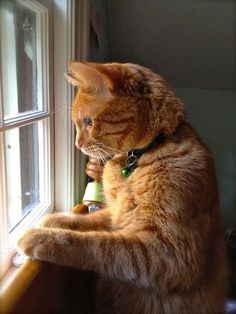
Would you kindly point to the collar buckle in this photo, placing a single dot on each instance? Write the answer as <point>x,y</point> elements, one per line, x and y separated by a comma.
<point>132,159</point>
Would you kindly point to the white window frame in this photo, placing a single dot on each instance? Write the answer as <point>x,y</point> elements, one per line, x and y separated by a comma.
<point>45,123</point>
<point>71,24</point>
<point>67,174</point>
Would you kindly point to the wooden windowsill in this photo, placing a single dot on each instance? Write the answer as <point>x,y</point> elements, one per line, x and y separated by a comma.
<point>19,281</point>
<point>43,288</point>
<point>39,287</point>
<point>5,265</point>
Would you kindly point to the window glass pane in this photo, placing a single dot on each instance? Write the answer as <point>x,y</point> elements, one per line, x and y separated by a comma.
<point>19,58</point>
<point>22,165</point>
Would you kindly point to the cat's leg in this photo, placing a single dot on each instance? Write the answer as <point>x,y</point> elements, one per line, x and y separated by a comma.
<point>99,220</point>
<point>114,254</point>
<point>136,258</point>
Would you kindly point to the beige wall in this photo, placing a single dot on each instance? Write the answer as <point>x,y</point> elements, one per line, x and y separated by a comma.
<point>191,42</point>
<point>213,114</point>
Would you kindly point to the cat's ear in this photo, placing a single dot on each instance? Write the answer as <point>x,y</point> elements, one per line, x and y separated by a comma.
<point>72,79</point>
<point>89,78</point>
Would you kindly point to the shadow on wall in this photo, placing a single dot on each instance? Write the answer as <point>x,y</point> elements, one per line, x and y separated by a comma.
<point>193,45</point>
<point>213,114</point>
<point>99,41</point>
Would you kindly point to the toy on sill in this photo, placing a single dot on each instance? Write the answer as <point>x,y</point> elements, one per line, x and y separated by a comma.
<point>93,199</point>
<point>93,196</point>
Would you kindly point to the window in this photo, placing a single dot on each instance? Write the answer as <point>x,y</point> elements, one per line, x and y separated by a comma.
<point>39,168</point>
<point>25,118</point>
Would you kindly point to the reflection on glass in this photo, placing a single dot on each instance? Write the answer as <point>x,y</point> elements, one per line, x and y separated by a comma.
<point>19,52</point>
<point>22,157</point>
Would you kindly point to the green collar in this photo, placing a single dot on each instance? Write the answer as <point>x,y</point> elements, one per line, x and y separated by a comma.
<point>135,154</point>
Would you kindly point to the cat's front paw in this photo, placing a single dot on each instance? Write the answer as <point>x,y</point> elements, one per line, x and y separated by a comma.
<point>35,243</point>
<point>54,221</point>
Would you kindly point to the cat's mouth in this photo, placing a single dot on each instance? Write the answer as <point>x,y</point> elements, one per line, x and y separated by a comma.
<point>100,152</point>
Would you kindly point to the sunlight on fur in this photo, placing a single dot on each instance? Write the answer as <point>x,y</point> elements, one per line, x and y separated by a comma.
<point>157,245</point>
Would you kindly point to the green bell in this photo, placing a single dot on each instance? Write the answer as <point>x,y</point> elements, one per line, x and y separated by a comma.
<point>125,172</point>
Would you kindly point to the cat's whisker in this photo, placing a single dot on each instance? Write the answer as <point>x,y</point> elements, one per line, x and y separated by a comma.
<point>99,165</point>
<point>110,148</point>
<point>110,157</point>
<point>98,152</point>
<point>106,155</point>
<point>102,155</point>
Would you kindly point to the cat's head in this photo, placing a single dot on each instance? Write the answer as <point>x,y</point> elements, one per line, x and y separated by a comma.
<point>120,107</point>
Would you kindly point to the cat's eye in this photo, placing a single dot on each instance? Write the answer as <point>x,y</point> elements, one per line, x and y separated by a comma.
<point>88,121</point>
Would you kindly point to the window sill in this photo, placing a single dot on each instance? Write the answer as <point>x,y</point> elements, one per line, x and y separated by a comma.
<point>34,277</point>
<point>39,287</point>
<point>15,284</point>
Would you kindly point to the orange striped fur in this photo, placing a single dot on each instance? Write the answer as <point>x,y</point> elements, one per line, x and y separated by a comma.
<point>157,245</point>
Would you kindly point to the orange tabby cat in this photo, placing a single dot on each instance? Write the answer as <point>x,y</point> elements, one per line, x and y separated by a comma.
<point>157,245</point>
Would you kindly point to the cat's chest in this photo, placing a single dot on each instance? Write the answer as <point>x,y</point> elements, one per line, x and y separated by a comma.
<point>117,188</point>
<point>114,183</point>
<point>125,194</point>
